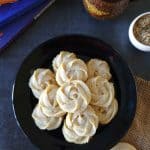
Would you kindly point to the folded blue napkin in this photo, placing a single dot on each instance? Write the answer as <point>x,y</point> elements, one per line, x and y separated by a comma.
<point>8,12</point>
<point>10,31</point>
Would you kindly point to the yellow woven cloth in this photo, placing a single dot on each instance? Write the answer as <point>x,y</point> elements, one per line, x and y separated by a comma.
<point>139,133</point>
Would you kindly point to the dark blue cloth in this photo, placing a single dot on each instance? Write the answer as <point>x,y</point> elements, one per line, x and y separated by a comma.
<point>65,16</point>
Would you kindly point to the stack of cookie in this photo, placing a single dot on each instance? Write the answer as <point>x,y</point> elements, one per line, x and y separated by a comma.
<point>47,113</point>
<point>78,92</point>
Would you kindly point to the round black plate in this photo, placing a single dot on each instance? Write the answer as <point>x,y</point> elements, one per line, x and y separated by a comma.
<point>85,47</point>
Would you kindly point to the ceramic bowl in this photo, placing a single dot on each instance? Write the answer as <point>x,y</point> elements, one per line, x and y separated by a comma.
<point>133,40</point>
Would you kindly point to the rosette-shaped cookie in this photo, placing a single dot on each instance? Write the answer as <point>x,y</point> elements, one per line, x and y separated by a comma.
<point>40,79</point>
<point>102,91</point>
<point>72,137</point>
<point>73,96</point>
<point>123,146</point>
<point>48,102</point>
<point>97,67</point>
<point>43,122</point>
<point>73,70</point>
<point>105,115</point>
<point>62,57</point>
<point>79,127</point>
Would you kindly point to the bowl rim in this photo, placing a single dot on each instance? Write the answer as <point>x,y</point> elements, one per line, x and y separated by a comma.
<point>133,39</point>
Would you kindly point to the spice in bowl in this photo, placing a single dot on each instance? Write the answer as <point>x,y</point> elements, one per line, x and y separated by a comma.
<point>141,29</point>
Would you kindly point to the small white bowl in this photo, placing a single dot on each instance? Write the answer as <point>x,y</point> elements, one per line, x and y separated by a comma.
<point>132,37</point>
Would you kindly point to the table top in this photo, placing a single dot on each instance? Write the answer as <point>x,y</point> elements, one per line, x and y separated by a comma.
<point>64,17</point>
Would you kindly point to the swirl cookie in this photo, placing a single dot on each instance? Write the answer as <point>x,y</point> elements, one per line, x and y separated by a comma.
<point>105,115</point>
<point>73,70</point>
<point>40,79</point>
<point>102,91</point>
<point>72,137</point>
<point>79,127</point>
<point>43,122</point>
<point>97,67</point>
<point>62,57</point>
<point>73,96</point>
<point>48,102</point>
<point>123,146</point>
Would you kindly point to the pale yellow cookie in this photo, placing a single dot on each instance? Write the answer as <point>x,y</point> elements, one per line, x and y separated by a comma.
<point>73,70</point>
<point>123,146</point>
<point>72,137</point>
<point>80,126</point>
<point>105,115</point>
<point>43,122</point>
<point>73,96</point>
<point>62,57</point>
<point>102,91</point>
<point>97,67</point>
<point>48,102</point>
<point>40,79</point>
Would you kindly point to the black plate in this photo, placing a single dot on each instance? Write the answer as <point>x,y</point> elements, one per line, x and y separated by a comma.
<point>85,47</point>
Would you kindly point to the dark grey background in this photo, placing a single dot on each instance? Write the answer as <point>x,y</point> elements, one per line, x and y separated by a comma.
<point>65,16</point>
